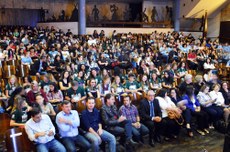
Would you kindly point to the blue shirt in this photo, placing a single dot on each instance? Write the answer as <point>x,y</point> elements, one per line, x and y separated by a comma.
<point>44,125</point>
<point>164,51</point>
<point>67,130</point>
<point>190,104</point>
<point>183,49</point>
<point>53,54</point>
<point>91,119</point>
<point>26,60</point>
<point>228,64</point>
<point>226,49</point>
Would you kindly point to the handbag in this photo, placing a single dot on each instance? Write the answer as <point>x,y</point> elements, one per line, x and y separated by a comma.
<point>173,114</point>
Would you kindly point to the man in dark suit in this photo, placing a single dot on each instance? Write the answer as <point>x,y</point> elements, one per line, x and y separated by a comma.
<point>150,114</point>
<point>39,66</point>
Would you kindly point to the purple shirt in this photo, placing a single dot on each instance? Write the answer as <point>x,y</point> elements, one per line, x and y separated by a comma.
<point>130,113</point>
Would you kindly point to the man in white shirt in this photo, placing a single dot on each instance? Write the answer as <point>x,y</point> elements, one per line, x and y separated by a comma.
<point>40,130</point>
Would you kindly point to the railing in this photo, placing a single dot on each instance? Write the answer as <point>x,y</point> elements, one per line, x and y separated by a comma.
<point>129,24</point>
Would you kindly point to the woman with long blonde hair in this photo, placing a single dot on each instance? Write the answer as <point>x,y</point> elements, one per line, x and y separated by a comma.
<point>12,85</point>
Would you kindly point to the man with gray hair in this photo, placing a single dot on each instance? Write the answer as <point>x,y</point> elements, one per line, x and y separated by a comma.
<point>187,81</point>
<point>31,95</point>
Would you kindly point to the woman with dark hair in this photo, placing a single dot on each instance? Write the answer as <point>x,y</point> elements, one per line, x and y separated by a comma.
<point>58,64</point>
<point>170,127</point>
<point>157,59</point>
<point>182,70</point>
<point>54,95</point>
<point>208,65</point>
<point>167,81</point>
<point>27,81</point>
<point>19,114</point>
<point>144,83</point>
<point>83,68</point>
<point>155,81</point>
<point>173,93</point>
<point>225,92</point>
<point>10,54</point>
<point>64,82</point>
<point>18,91</point>
<point>94,75</point>
<point>105,74</point>
<point>195,110</point>
<point>45,107</point>
<point>102,62</point>
<point>143,69</point>
<point>80,78</point>
<point>92,90</point>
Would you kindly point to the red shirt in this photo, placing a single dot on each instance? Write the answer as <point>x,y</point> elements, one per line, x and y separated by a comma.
<point>192,56</point>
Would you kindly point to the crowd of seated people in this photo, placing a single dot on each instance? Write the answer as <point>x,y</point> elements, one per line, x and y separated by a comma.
<point>92,90</point>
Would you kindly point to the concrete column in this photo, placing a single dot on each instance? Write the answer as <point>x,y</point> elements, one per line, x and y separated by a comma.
<point>177,15</point>
<point>82,17</point>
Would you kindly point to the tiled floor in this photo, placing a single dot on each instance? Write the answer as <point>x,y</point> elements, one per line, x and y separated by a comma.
<point>212,142</point>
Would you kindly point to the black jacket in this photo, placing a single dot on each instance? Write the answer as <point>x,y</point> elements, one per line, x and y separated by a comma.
<point>35,67</point>
<point>109,116</point>
<point>144,110</point>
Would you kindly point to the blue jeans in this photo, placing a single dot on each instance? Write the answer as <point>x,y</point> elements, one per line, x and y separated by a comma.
<point>123,127</point>
<point>105,136</point>
<point>79,140</point>
<point>138,133</point>
<point>52,145</point>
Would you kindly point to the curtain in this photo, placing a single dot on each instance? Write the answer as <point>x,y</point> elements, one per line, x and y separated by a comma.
<point>19,16</point>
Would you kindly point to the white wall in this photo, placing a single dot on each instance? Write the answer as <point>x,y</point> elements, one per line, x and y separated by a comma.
<point>64,26</point>
<point>108,31</point>
<point>214,26</point>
